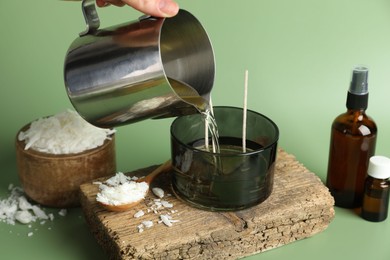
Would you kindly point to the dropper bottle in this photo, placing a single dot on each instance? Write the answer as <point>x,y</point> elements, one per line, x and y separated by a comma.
<point>352,143</point>
<point>377,190</point>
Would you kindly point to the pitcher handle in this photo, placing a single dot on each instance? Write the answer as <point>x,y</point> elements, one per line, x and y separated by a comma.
<point>91,17</point>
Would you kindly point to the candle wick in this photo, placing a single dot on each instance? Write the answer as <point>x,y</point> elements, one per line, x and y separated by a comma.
<point>245,112</point>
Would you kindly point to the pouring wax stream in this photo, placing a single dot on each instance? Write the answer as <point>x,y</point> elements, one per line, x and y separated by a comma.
<point>211,125</point>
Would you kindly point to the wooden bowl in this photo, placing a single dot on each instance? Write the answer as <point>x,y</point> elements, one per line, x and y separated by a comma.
<point>54,180</point>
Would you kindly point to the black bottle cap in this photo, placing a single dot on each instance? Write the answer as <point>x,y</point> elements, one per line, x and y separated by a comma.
<point>358,91</point>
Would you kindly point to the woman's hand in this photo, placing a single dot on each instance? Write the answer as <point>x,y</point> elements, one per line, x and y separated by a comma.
<point>158,8</point>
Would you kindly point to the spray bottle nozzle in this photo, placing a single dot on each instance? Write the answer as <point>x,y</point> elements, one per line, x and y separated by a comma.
<point>359,84</point>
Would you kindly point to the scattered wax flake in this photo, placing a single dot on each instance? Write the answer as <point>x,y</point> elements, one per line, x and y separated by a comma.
<point>147,223</point>
<point>39,212</point>
<point>158,192</point>
<point>165,220</point>
<point>23,203</point>
<point>63,212</point>
<point>140,228</point>
<point>24,217</point>
<point>166,204</point>
<point>139,214</point>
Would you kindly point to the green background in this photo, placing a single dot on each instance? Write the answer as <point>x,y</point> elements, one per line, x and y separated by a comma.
<point>299,55</point>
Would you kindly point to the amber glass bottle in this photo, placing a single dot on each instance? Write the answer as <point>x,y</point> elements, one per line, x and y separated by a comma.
<point>352,143</point>
<point>377,189</point>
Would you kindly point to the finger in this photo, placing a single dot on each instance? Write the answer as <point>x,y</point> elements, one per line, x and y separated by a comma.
<point>102,3</point>
<point>158,8</point>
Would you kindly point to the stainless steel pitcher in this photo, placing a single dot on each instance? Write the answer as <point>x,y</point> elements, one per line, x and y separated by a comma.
<point>148,68</point>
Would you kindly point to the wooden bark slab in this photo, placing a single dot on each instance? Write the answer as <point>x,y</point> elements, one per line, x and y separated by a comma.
<point>299,207</point>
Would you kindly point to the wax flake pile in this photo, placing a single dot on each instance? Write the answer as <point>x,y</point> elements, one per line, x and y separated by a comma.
<point>17,209</point>
<point>122,189</point>
<point>64,133</point>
